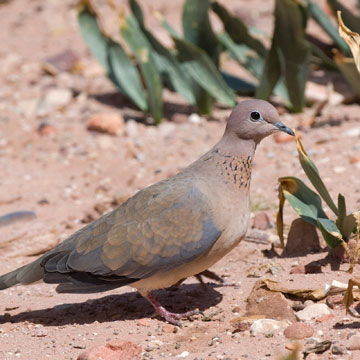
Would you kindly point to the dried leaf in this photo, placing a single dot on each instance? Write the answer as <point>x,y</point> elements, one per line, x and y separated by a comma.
<point>312,294</point>
<point>349,296</point>
<point>318,348</point>
<point>352,39</point>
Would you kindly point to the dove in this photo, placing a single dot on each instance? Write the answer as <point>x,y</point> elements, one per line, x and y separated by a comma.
<point>169,231</point>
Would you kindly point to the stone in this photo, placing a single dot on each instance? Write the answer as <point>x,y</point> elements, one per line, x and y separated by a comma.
<point>110,123</point>
<point>243,323</point>
<point>302,238</point>
<point>268,303</point>
<point>196,119</point>
<point>258,236</point>
<point>113,350</point>
<point>300,269</point>
<point>298,331</point>
<point>306,269</point>
<point>338,350</point>
<point>354,132</point>
<point>354,159</point>
<point>58,97</point>
<point>313,311</point>
<point>143,322</point>
<point>353,343</point>
<point>263,269</point>
<point>46,129</point>
<point>339,169</point>
<point>183,355</point>
<point>27,107</point>
<point>168,329</point>
<point>263,326</point>
<point>63,61</point>
<point>325,318</point>
<point>261,221</point>
<point>335,301</point>
<point>154,344</point>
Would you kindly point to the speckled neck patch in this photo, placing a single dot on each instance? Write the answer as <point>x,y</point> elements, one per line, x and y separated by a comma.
<point>235,170</point>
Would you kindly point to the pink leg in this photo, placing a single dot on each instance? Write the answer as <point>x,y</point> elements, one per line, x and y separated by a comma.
<point>172,318</point>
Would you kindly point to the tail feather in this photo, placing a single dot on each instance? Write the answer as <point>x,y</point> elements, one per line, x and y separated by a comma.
<point>26,274</point>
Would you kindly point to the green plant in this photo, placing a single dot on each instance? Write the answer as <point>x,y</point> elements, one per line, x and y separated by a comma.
<point>308,204</point>
<point>192,67</point>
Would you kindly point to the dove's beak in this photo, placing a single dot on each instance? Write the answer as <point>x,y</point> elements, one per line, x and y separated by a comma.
<point>284,128</point>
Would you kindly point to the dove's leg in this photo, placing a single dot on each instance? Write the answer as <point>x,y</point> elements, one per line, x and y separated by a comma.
<point>171,317</point>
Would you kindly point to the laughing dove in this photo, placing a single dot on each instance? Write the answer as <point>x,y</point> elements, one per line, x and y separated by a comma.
<point>169,231</point>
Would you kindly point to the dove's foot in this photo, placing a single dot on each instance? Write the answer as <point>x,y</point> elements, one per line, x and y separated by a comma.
<point>172,318</point>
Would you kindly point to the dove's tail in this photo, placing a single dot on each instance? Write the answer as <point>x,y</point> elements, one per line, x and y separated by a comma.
<point>26,274</point>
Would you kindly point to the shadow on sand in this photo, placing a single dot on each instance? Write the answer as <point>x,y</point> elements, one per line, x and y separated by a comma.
<point>128,306</point>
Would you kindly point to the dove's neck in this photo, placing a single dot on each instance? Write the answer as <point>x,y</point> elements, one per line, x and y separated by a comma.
<point>231,145</point>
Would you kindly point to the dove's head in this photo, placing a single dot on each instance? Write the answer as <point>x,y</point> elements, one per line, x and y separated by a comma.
<point>254,120</point>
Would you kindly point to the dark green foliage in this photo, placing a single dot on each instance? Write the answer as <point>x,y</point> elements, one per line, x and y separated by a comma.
<point>193,67</point>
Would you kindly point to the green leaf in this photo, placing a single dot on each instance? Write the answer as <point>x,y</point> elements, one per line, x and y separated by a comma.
<point>341,206</point>
<point>137,12</point>
<point>142,50</point>
<point>91,33</point>
<point>197,28</point>
<point>203,71</point>
<point>237,30</point>
<point>289,54</point>
<point>241,86</point>
<point>347,225</point>
<point>117,64</point>
<point>126,75</point>
<point>330,232</point>
<point>302,199</point>
<point>204,101</point>
<point>244,55</point>
<point>350,20</point>
<point>166,61</point>
<point>272,78</point>
<point>324,21</point>
<point>167,26</point>
<point>313,175</point>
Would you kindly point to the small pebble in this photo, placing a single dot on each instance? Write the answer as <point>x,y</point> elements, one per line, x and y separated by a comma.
<point>353,343</point>
<point>338,350</point>
<point>298,331</point>
<point>354,132</point>
<point>183,355</point>
<point>313,311</point>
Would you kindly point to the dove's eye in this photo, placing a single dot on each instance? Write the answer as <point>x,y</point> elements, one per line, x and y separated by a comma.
<point>255,116</point>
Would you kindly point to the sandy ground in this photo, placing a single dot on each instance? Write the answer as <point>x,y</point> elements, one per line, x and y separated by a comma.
<point>70,176</point>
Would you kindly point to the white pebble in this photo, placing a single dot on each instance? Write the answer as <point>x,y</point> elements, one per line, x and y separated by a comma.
<point>183,355</point>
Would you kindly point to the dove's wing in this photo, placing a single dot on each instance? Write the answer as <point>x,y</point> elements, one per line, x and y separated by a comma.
<point>160,228</point>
